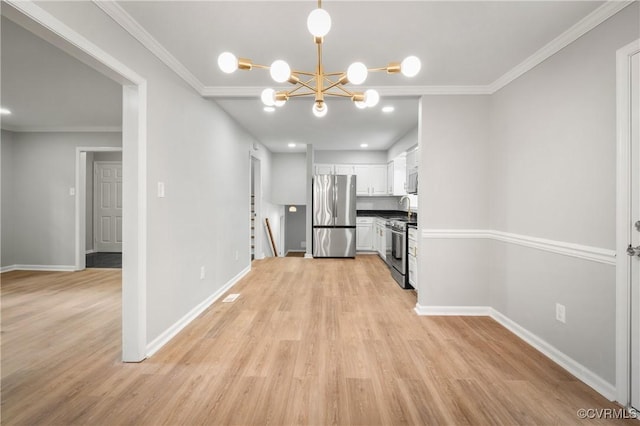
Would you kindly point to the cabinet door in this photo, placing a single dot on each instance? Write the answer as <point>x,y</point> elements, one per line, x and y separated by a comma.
<point>413,272</point>
<point>363,180</point>
<point>390,177</point>
<point>378,179</point>
<point>364,236</point>
<point>324,169</point>
<point>399,178</point>
<point>343,169</point>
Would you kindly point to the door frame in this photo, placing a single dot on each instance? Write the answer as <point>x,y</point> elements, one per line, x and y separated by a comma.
<point>134,161</point>
<point>81,197</point>
<point>623,222</point>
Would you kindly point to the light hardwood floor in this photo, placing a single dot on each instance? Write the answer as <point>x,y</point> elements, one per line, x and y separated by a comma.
<point>313,342</point>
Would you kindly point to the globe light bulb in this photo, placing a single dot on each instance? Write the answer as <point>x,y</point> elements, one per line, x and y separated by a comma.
<point>319,109</point>
<point>410,66</point>
<point>357,73</point>
<point>280,103</point>
<point>319,22</point>
<point>371,98</point>
<point>268,97</point>
<point>360,104</point>
<point>280,71</point>
<point>227,62</point>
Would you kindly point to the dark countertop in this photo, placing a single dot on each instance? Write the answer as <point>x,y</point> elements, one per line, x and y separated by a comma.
<point>387,214</point>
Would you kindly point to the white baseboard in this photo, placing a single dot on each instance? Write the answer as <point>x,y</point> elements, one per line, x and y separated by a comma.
<point>475,311</point>
<point>42,268</point>
<point>581,372</point>
<point>596,382</point>
<point>171,332</point>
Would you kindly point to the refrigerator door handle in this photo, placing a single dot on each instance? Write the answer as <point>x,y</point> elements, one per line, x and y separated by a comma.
<point>335,199</point>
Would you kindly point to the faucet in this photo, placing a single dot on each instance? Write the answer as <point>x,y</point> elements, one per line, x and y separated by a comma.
<point>405,197</point>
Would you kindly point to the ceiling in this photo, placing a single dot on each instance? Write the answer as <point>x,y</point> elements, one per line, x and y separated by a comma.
<point>461,44</point>
<point>47,89</point>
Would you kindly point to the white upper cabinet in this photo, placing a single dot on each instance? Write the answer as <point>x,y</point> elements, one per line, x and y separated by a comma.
<point>324,169</point>
<point>413,159</point>
<point>343,169</point>
<point>397,176</point>
<point>371,179</point>
<point>390,178</point>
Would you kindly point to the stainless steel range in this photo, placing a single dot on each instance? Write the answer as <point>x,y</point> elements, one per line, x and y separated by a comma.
<point>397,252</point>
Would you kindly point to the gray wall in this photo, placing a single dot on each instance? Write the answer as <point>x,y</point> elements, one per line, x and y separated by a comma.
<point>537,159</point>
<point>553,176</point>
<point>41,211</point>
<point>289,183</point>
<point>7,256</point>
<point>454,194</point>
<point>202,156</point>
<point>403,144</point>
<point>295,228</point>
<point>91,158</point>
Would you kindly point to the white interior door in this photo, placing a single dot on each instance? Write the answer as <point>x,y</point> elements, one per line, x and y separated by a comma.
<point>635,231</point>
<point>108,206</point>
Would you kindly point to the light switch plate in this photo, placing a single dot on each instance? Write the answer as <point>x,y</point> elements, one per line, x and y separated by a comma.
<point>160,189</point>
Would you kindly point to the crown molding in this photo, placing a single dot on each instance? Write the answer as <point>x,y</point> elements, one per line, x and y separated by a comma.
<point>595,18</point>
<point>62,129</point>
<point>133,27</point>
<point>582,27</point>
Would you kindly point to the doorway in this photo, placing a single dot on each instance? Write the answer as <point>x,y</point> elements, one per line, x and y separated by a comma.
<point>635,231</point>
<point>104,210</point>
<point>134,136</point>
<point>255,200</point>
<point>628,227</point>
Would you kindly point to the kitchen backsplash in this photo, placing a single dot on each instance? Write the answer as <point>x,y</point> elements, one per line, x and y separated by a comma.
<point>377,203</point>
<point>385,203</point>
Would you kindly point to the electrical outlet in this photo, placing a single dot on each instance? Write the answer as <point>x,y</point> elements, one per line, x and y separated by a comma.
<point>202,272</point>
<point>236,256</point>
<point>72,191</point>
<point>561,313</point>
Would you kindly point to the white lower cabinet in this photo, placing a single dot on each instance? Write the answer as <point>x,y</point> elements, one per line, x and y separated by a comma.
<point>380,231</point>
<point>364,233</point>
<point>413,257</point>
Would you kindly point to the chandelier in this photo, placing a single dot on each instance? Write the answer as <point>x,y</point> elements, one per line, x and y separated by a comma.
<point>318,83</point>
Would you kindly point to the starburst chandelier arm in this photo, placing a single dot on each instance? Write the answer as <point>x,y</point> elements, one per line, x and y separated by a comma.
<point>298,95</point>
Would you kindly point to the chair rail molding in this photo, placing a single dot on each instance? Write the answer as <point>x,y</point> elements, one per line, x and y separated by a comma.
<point>594,254</point>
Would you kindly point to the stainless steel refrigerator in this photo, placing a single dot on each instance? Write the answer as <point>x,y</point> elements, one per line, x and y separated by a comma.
<point>334,216</point>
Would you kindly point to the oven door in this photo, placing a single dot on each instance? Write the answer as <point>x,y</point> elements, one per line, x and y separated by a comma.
<point>398,251</point>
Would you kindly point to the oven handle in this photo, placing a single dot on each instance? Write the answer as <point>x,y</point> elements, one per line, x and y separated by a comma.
<point>396,232</point>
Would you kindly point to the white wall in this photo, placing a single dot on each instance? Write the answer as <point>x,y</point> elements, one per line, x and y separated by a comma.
<point>202,156</point>
<point>289,178</point>
<point>350,157</point>
<point>553,176</point>
<point>453,194</point>
<point>41,209</point>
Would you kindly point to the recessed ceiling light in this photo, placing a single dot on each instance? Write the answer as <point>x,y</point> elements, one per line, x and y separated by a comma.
<point>4,111</point>
<point>364,145</point>
<point>292,145</point>
<point>269,109</point>
<point>388,109</point>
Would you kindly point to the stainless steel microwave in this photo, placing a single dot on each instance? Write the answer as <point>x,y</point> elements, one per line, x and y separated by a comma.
<point>412,182</point>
